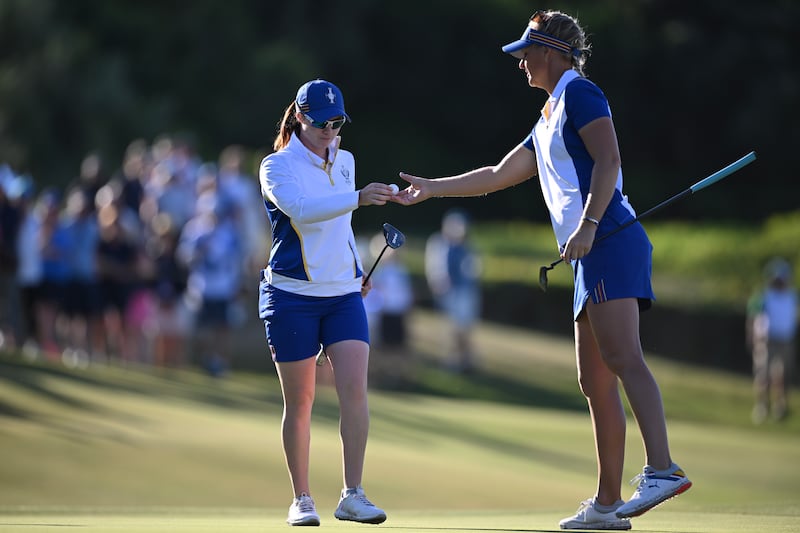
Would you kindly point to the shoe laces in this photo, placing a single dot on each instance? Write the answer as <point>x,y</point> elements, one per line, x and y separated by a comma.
<point>585,504</point>
<point>305,504</point>
<point>360,497</point>
<point>637,480</point>
<point>641,478</point>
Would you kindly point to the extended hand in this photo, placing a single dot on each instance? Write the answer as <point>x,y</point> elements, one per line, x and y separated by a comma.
<point>375,194</point>
<point>417,191</point>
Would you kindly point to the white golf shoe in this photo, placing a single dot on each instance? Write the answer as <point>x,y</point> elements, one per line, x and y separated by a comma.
<point>588,517</point>
<point>654,489</point>
<point>354,506</point>
<point>302,512</point>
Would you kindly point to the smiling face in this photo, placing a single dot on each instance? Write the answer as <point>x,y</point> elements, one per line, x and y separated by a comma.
<point>543,66</point>
<point>555,40</point>
<point>533,62</point>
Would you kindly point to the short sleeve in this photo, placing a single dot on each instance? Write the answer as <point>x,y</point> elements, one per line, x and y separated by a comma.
<point>528,142</point>
<point>585,102</point>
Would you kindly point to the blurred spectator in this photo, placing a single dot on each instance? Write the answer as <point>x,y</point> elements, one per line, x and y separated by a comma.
<point>117,261</point>
<point>171,322</point>
<point>393,297</point>
<point>11,214</point>
<point>29,270</point>
<point>91,177</point>
<point>82,304</point>
<point>452,269</point>
<point>183,159</point>
<point>209,246</point>
<point>133,175</point>
<point>387,305</point>
<point>171,195</point>
<point>771,332</point>
<point>56,246</point>
<point>240,191</point>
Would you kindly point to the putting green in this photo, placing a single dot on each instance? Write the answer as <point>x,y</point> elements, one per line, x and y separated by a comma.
<point>231,520</point>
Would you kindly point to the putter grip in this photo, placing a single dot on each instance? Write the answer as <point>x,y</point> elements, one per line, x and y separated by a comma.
<point>725,172</point>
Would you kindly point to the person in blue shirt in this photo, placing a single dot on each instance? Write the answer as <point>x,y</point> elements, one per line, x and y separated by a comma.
<point>573,149</point>
<point>55,241</point>
<point>771,329</point>
<point>452,270</point>
<point>211,250</point>
<point>83,303</point>
<point>311,293</point>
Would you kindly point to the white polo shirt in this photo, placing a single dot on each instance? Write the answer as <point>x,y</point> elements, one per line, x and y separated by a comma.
<point>565,166</point>
<point>310,207</point>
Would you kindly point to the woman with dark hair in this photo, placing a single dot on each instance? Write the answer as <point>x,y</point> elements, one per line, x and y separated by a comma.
<point>311,291</point>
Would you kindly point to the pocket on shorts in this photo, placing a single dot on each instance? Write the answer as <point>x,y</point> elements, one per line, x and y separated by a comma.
<point>264,299</point>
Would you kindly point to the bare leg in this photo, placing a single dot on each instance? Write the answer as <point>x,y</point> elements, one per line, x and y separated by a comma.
<point>298,379</point>
<point>615,324</point>
<point>349,360</point>
<point>601,388</point>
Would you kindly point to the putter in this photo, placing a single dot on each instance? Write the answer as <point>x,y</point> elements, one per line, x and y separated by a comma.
<point>700,185</point>
<point>394,239</point>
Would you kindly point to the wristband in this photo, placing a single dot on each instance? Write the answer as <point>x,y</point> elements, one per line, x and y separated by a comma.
<point>592,220</point>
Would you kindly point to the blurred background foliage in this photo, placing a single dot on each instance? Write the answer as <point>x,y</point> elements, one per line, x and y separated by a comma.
<point>693,86</point>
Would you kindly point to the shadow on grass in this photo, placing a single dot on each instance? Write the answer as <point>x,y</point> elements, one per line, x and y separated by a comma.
<point>147,382</point>
<point>261,393</point>
<point>422,374</point>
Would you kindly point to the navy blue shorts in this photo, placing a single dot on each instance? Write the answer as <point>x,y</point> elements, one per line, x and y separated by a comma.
<point>297,325</point>
<point>617,267</point>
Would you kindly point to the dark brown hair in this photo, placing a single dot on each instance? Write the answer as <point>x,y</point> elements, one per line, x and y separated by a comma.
<point>286,127</point>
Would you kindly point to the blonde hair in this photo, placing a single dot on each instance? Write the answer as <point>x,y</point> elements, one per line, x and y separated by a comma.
<point>568,29</point>
<point>287,125</point>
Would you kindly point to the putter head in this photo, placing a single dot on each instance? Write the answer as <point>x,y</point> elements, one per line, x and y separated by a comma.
<point>543,278</point>
<point>543,274</point>
<point>394,237</point>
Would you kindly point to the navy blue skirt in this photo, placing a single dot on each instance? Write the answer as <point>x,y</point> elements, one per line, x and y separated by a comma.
<point>617,267</point>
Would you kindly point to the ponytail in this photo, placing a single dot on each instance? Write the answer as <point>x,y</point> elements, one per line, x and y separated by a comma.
<point>286,127</point>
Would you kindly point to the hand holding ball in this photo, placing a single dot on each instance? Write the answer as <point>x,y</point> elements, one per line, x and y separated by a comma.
<point>395,188</point>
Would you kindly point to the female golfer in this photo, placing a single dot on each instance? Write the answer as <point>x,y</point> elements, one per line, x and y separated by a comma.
<point>573,149</point>
<point>310,294</point>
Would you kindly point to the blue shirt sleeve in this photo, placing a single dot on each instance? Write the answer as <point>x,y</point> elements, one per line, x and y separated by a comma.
<point>528,142</point>
<point>585,102</point>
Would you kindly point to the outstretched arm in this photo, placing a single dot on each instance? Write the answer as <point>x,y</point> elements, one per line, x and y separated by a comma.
<point>517,166</point>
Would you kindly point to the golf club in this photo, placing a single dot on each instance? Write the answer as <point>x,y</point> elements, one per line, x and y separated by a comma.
<point>394,239</point>
<point>700,185</point>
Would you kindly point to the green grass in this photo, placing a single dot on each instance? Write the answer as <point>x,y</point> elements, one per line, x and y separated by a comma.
<point>710,263</point>
<point>131,450</point>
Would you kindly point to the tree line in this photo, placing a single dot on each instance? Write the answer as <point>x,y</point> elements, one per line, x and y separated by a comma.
<point>693,86</point>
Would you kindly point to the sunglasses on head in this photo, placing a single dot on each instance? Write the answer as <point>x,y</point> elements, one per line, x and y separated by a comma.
<point>333,123</point>
<point>540,17</point>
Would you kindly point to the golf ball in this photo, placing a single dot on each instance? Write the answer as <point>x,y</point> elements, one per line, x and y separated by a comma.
<point>395,188</point>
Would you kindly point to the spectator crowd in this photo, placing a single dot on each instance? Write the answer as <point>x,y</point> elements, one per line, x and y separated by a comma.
<point>132,265</point>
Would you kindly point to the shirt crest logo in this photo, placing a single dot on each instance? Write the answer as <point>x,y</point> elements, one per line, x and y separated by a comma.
<point>331,97</point>
<point>346,175</point>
